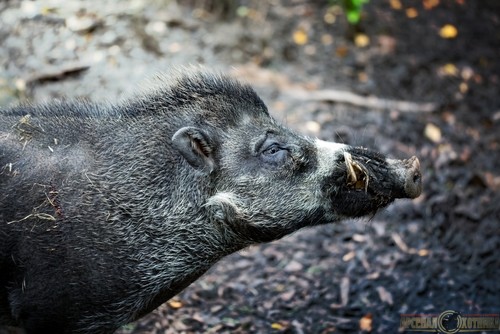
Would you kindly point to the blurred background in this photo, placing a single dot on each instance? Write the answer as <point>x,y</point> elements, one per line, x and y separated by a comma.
<point>405,77</point>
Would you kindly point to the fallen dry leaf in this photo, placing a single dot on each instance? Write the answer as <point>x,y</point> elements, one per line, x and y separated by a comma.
<point>448,31</point>
<point>423,252</point>
<point>448,70</point>
<point>300,37</point>
<point>361,40</point>
<point>363,77</point>
<point>326,39</point>
<point>342,51</point>
<point>492,180</point>
<point>429,4</point>
<point>385,295</point>
<point>349,256</point>
<point>463,87</point>
<point>365,323</point>
<point>287,296</point>
<point>467,73</point>
<point>396,4</point>
<point>330,17</point>
<point>387,44</point>
<point>276,325</point>
<point>411,13</point>
<point>293,266</point>
<point>175,304</point>
<point>433,133</point>
<point>359,237</point>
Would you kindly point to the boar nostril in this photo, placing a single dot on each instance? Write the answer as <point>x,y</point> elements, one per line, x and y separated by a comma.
<point>416,177</point>
<point>413,183</point>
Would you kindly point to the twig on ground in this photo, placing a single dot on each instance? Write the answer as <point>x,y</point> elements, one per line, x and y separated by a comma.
<point>57,73</point>
<point>333,95</point>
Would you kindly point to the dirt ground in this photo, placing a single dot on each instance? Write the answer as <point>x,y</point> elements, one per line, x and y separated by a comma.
<point>438,252</point>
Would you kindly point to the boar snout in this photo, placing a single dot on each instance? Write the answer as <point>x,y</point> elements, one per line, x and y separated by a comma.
<point>368,171</point>
<point>412,178</point>
<point>408,183</point>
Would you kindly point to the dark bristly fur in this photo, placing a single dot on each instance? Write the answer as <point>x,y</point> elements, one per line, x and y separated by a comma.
<point>107,211</point>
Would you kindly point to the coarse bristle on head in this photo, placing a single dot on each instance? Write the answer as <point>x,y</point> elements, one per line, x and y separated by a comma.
<point>209,94</point>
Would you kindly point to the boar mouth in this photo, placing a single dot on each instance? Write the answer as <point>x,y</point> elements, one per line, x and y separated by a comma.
<point>370,182</point>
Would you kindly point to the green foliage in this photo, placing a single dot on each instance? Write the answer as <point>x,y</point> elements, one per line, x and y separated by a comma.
<point>352,9</point>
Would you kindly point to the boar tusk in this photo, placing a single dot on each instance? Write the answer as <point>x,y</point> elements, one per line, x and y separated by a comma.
<point>357,174</point>
<point>364,176</point>
<point>351,174</point>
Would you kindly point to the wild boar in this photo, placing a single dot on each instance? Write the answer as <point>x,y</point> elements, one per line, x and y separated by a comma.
<point>107,211</point>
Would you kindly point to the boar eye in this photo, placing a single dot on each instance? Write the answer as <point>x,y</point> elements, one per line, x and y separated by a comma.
<point>271,150</point>
<point>274,154</point>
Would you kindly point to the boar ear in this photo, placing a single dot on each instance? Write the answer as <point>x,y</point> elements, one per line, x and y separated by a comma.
<point>195,147</point>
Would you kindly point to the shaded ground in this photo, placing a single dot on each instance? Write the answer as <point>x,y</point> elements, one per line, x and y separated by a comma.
<point>435,253</point>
